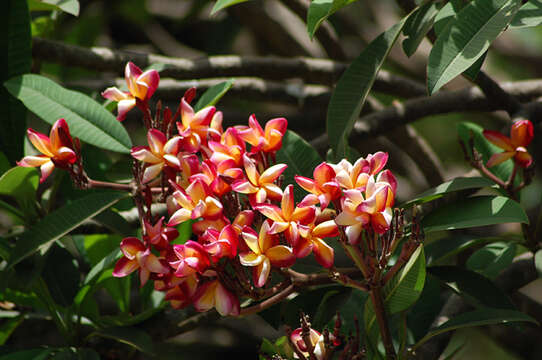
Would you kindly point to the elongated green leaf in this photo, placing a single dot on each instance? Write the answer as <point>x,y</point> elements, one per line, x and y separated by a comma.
<point>320,10</point>
<point>300,157</point>
<point>454,185</point>
<point>529,15</point>
<point>354,86</point>
<point>21,183</point>
<point>467,39</point>
<point>446,15</point>
<point>492,258</point>
<point>115,222</point>
<point>60,264</point>
<point>87,119</point>
<point>8,327</point>
<point>401,292</point>
<point>128,335</point>
<point>441,250</point>
<point>332,302</point>
<point>222,4</point>
<point>473,287</point>
<point>418,25</point>
<point>68,6</point>
<point>61,222</point>
<point>477,318</point>
<point>475,211</point>
<point>467,129</point>
<point>15,59</point>
<point>213,94</point>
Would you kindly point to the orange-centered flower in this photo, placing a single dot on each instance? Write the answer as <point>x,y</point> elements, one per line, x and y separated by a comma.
<point>268,140</point>
<point>515,146</point>
<point>214,294</point>
<point>57,149</point>
<point>323,188</point>
<point>264,251</point>
<point>141,85</point>
<point>194,202</point>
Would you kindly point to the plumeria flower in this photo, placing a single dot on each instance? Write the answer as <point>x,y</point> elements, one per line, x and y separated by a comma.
<point>312,241</point>
<point>160,152</point>
<point>194,126</point>
<point>259,187</point>
<point>264,251</point>
<point>268,140</point>
<point>230,147</point>
<point>323,188</point>
<point>191,258</point>
<point>515,146</point>
<point>194,202</point>
<point>189,165</point>
<point>182,294</point>
<point>289,218</point>
<point>141,85</point>
<point>220,244</point>
<point>358,211</point>
<point>57,149</point>
<point>159,235</point>
<point>138,256</point>
<point>356,176</point>
<point>213,294</point>
<point>317,342</point>
<point>214,176</point>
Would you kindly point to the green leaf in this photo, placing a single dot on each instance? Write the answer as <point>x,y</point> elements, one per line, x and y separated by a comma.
<point>465,40</point>
<point>454,185</point>
<point>87,119</point>
<point>21,184</point>
<point>213,94</point>
<point>473,287</point>
<point>492,258</point>
<point>67,6</point>
<point>418,25</point>
<point>401,292</point>
<point>354,86</point>
<point>98,246</point>
<point>8,327</point>
<point>62,221</point>
<point>538,262</point>
<point>221,4</point>
<point>320,10</point>
<point>15,59</point>
<point>529,15</point>
<point>115,222</point>
<point>467,129</point>
<point>442,250</point>
<point>475,211</point>
<point>300,157</point>
<point>446,15</point>
<point>34,354</point>
<point>479,317</point>
<point>128,335</point>
<point>61,275</point>
<point>332,301</point>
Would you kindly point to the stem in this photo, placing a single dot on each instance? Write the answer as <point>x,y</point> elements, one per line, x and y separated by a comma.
<point>268,302</point>
<point>380,312</point>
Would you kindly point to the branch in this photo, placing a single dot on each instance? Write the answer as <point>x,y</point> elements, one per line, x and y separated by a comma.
<point>469,99</point>
<point>312,71</point>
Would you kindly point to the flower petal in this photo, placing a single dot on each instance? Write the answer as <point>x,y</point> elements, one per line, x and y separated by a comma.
<point>323,253</point>
<point>125,267</point>
<point>261,272</point>
<point>496,159</point>
<point>498,139</point>
<point>281,256</point>
<point>522,133</point>
<point>151,172</point>
<point>523,158</point>
<point>272,173</point>
<point>40,142</point>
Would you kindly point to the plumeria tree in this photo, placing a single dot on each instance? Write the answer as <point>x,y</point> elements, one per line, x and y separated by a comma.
<point>149,210</point>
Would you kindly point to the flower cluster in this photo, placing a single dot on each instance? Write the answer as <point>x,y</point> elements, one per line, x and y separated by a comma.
<point>227,184</point>
<point>515,146</point>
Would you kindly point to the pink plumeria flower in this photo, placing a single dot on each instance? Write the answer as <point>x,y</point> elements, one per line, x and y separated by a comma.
<point>289,218</point>
<point>230,147</point>
<point>268,140</point>
<point>214,176</point>
<point>194,202</point>
<point>160,152</point>
<point>195,127</point>
<point>259,187</point>
<point>138,256</point>
<point>191,258</point>
<point>358,211</point>
<point>515,146</point>
<point>182,294</point>
<point>213,294</point>
<point>190,166</point>
<point>312,241</point>
<point>141,85</point>
<point>317,342</point>
<point>264,252</point>
<point>57,149</point>
<point>220,244</point>
<point>355,176</point>
<point>323,188</point>
<point>159,235</point>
